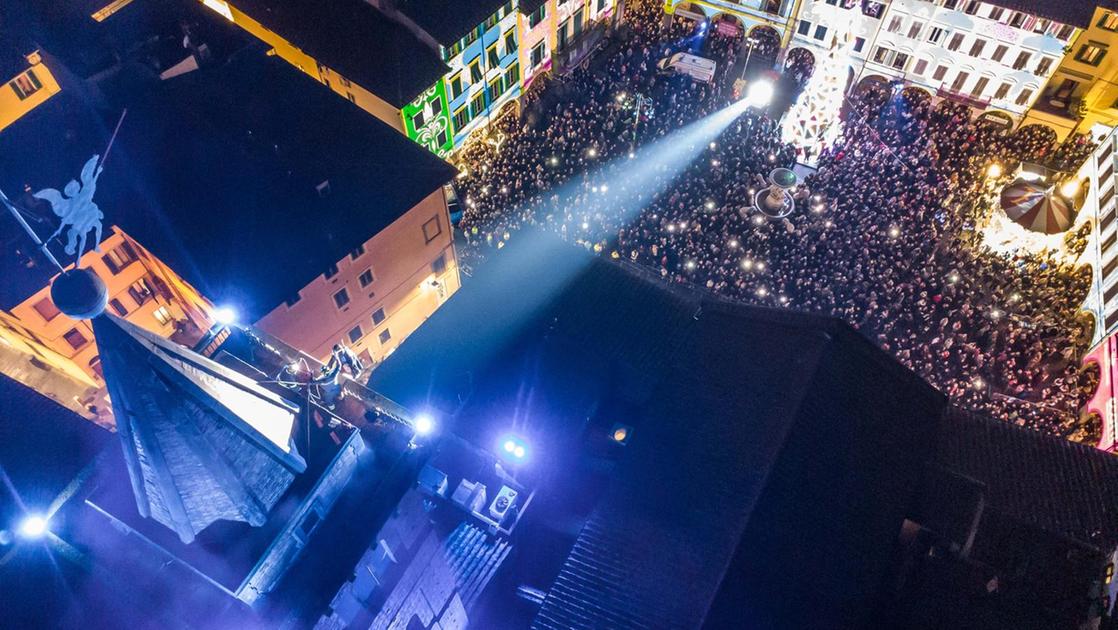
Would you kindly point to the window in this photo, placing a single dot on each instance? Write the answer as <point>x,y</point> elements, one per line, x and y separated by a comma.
<point>140,292</point>
<point>341,298</point>
<point>537,54</point>
<point>921,66</point>
<point>950,4</point>
<point>561,36</point>
<point>578,23</point>
<point>46,309</point>
<point>75,338</point>
<point>881,55</point>
<point>456,85</point>
<point>162,315</point>
<point>1065,32</point>
<point>384,336</point>
<point>936,34</point>
<point>477,106</point>
<point>496,88</point>
<point>378,316</point>
<point>1024,96</point>
<point>118,307</point>
<point>492,20</point>
<point>960,80</point>
<point>999,52</point>
<point>859,43</point>
<point>1044,66</point>
<point>1002,90</point>
<point>512,76</point>
<point>95,365</point>
<point>438,266</point>
<point>1108,21</point>
<point>1016,19</point>
<point>119,257</point>
<point>601,5</point>
<point>491,55</point>
<point>900,61</point>
<point>895,24</point>
<point>872,9</point>
<point>996,13</point>
<point>366,278</point>
<point>475,69</point>
<point>956,41</point>
<point>971,7</point>
<point>1041,26</point>
<point>1022,60</point>
<point>1090,54</point>
<point>355,334</point>
<point>976,47</point>
<point>461,118</point>
<point>804,27</point>
<point>25,84</point>
<point>432,229</point>
<point>510,41</point>
<point>537,16</point>
<point>330,272</point>
<point>914,29</point>
<point>939,73</point>
<point>356,252</point>
<point>979,87</point>
<point>820,32</point>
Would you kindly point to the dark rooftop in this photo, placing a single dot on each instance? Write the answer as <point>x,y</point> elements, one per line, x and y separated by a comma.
<point>735,411</point>
<point>358,41</point>
<point>449,20</point>
<point>37,466</point>
<point>1046,481</point>
<point>216,172</point>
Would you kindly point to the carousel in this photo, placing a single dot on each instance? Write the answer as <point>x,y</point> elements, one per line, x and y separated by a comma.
<point>1034,212</point>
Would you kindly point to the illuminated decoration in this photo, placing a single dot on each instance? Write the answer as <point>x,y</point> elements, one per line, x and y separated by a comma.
<point>813,122</point>
<point>33,526</point>
<point>427,120</point>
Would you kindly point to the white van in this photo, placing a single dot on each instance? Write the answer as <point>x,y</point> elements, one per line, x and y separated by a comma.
<point>698,68</point>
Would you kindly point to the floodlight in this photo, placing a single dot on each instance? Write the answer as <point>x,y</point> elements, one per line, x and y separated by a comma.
<point>33,526</point>
<point>423,424</point>
<point>760,93</point>
<point>225,315</point>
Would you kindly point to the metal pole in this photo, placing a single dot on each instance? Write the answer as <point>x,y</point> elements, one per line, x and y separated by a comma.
<point>27,228</point>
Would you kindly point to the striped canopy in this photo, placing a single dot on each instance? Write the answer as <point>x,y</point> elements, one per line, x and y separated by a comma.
<point>1037,207</point>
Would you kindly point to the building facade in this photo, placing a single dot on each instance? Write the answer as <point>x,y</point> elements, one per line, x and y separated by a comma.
<point>776,14</point>
<point>142,290</point>
<point>1082,94</point>
<point>30,86</point>
<point>372,299</point>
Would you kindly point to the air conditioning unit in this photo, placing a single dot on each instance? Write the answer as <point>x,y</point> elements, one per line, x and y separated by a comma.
<point>501,505</point>
<point>470,495</point>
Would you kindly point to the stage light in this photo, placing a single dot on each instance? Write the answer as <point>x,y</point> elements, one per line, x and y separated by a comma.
<point>632,155</point>
<point>760,93</point>
<point>514,448</point>
<point>225,315</point>
<point>423,424</point>
<point>1069,188</point>
<point>995,170</point>
<point>33,526</point>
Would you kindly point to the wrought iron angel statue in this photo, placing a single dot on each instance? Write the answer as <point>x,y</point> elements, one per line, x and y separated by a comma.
<point>76,208</point>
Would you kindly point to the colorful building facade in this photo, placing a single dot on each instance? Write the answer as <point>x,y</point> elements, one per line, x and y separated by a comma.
<point>30,87</point>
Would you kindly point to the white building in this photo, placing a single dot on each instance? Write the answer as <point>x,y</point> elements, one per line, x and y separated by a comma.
<point>981,53</point>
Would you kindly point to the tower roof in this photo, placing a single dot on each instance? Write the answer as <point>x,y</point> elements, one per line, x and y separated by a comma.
<point>201,442</point>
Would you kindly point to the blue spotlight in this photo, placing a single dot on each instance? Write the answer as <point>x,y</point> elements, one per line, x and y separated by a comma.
<point>33,526</point>
<point>514,449</point>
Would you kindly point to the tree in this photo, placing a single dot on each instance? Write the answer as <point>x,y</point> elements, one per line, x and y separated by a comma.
<point>813,122</point>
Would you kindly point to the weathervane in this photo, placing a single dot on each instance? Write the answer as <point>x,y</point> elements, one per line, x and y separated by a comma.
<point>78,293</point>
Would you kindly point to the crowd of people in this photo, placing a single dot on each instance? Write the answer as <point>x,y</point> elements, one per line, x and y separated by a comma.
<point>884,234</point>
